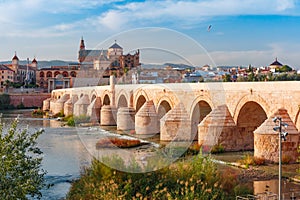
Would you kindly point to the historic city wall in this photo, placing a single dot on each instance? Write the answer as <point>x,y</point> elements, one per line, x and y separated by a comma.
<point>28,100</point>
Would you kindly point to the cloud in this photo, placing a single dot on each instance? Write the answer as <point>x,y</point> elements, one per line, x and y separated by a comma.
<point>182,12</point>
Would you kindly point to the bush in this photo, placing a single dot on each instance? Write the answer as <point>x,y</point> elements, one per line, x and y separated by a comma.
<point>4,101</point>
<point>247,160</point>
<point>38,112</point>
<point>218,148</point>
<point>60,114</point>
<point>73,120</point>
<point>193,179</point>
<point>21,106</point>
<point>286,159</point>
<point>20,160</point>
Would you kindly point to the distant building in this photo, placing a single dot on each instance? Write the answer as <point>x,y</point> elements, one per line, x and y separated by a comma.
<point>22,74</point>
<point>106,62</point>
<point>275,65</point>
<point>6,76</point>
<point>56,77</point>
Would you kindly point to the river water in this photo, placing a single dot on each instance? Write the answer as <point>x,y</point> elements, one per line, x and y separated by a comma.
<point>65,154</point>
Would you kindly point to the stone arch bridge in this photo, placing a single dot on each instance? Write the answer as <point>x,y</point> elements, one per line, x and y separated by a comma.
<point>237,116</point>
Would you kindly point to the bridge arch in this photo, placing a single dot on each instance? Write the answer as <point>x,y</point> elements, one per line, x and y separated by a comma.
<point>200,109</point>
<point>251,97</point>
<point>250,117</point>
<point>93,95</point>
<point>164,106</point>
<point>140,98</point>
<point>122,101</point>
<point>106,100</point>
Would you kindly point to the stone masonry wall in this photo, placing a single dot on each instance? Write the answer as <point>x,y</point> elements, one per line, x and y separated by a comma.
<point>29,100</point>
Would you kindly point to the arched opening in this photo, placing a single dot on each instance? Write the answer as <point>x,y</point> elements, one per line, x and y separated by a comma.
<point>250,117</point>
<point>65,74</point>
<point>140,102</point>
<point>93,97</point>
<point>122,101</point>
<point>73,74</point>
<point>49,74</point>
<point>200,111</point>
<point>56,73</point>
<point>42,74</point>
<point>106,100</point>
<point>163,108</point>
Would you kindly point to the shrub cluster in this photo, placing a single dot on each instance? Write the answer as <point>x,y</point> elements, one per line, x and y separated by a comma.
<point>196,178</point>
<point>251,160</point>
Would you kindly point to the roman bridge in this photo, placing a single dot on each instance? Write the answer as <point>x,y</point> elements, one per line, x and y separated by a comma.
<point>237,116</point>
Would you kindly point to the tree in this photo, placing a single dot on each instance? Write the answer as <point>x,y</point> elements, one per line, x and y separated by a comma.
<point>227,78</point>
<point>4,101</point>
<point>21,175</point>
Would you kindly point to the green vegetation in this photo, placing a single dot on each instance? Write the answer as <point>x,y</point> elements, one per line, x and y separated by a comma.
<point>20,160</point>
<point>20,106</point>
<point>218,148</point>
<point>38,112</point>
<point>60,114</point>
<point>4,101</point>
<point>73,120</point>
<point>195,178</point>
<point>251,160</point>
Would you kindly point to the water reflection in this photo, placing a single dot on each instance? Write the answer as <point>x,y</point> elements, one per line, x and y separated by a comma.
<point>289,189</point>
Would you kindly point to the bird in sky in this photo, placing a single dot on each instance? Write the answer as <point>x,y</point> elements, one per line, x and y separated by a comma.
<point>209,27</point>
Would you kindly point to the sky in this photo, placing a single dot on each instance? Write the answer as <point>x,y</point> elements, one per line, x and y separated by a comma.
<point>241,32</point>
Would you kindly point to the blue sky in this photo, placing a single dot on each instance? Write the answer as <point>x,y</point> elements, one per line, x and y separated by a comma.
<point>242,32</point>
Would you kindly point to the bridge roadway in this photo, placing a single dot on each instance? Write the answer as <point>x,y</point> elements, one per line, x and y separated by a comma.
<point>237,115</point>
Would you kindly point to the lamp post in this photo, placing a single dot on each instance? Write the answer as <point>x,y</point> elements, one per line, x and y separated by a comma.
<point>282,136</point>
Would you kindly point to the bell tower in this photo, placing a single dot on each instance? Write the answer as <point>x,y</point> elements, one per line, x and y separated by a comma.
<point>15,62</point>
<point>82,46</point>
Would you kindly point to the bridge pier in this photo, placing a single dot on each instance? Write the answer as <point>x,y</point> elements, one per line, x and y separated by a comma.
<point>69,105</point>
<point>266,142</point>
<point>218,128</point>
<point>176,125</point>
<point>58,105</point>
<point>93,110</point>
<point>146,120</point>
<point>108,115</point>
<point>46,104</point>
<point>80,107</point>
<point>126,118</point>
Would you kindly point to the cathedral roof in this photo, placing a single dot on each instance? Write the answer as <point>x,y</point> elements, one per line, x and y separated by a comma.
<point>15,57</point>
<point>34,61</point>
<point>276,63</point>
<point>115,46</point>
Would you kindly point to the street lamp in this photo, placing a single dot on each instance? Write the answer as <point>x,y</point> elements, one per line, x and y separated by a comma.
<point>282,136</point>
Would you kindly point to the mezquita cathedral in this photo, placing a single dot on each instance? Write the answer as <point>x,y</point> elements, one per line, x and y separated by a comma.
<point>103,63</point>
